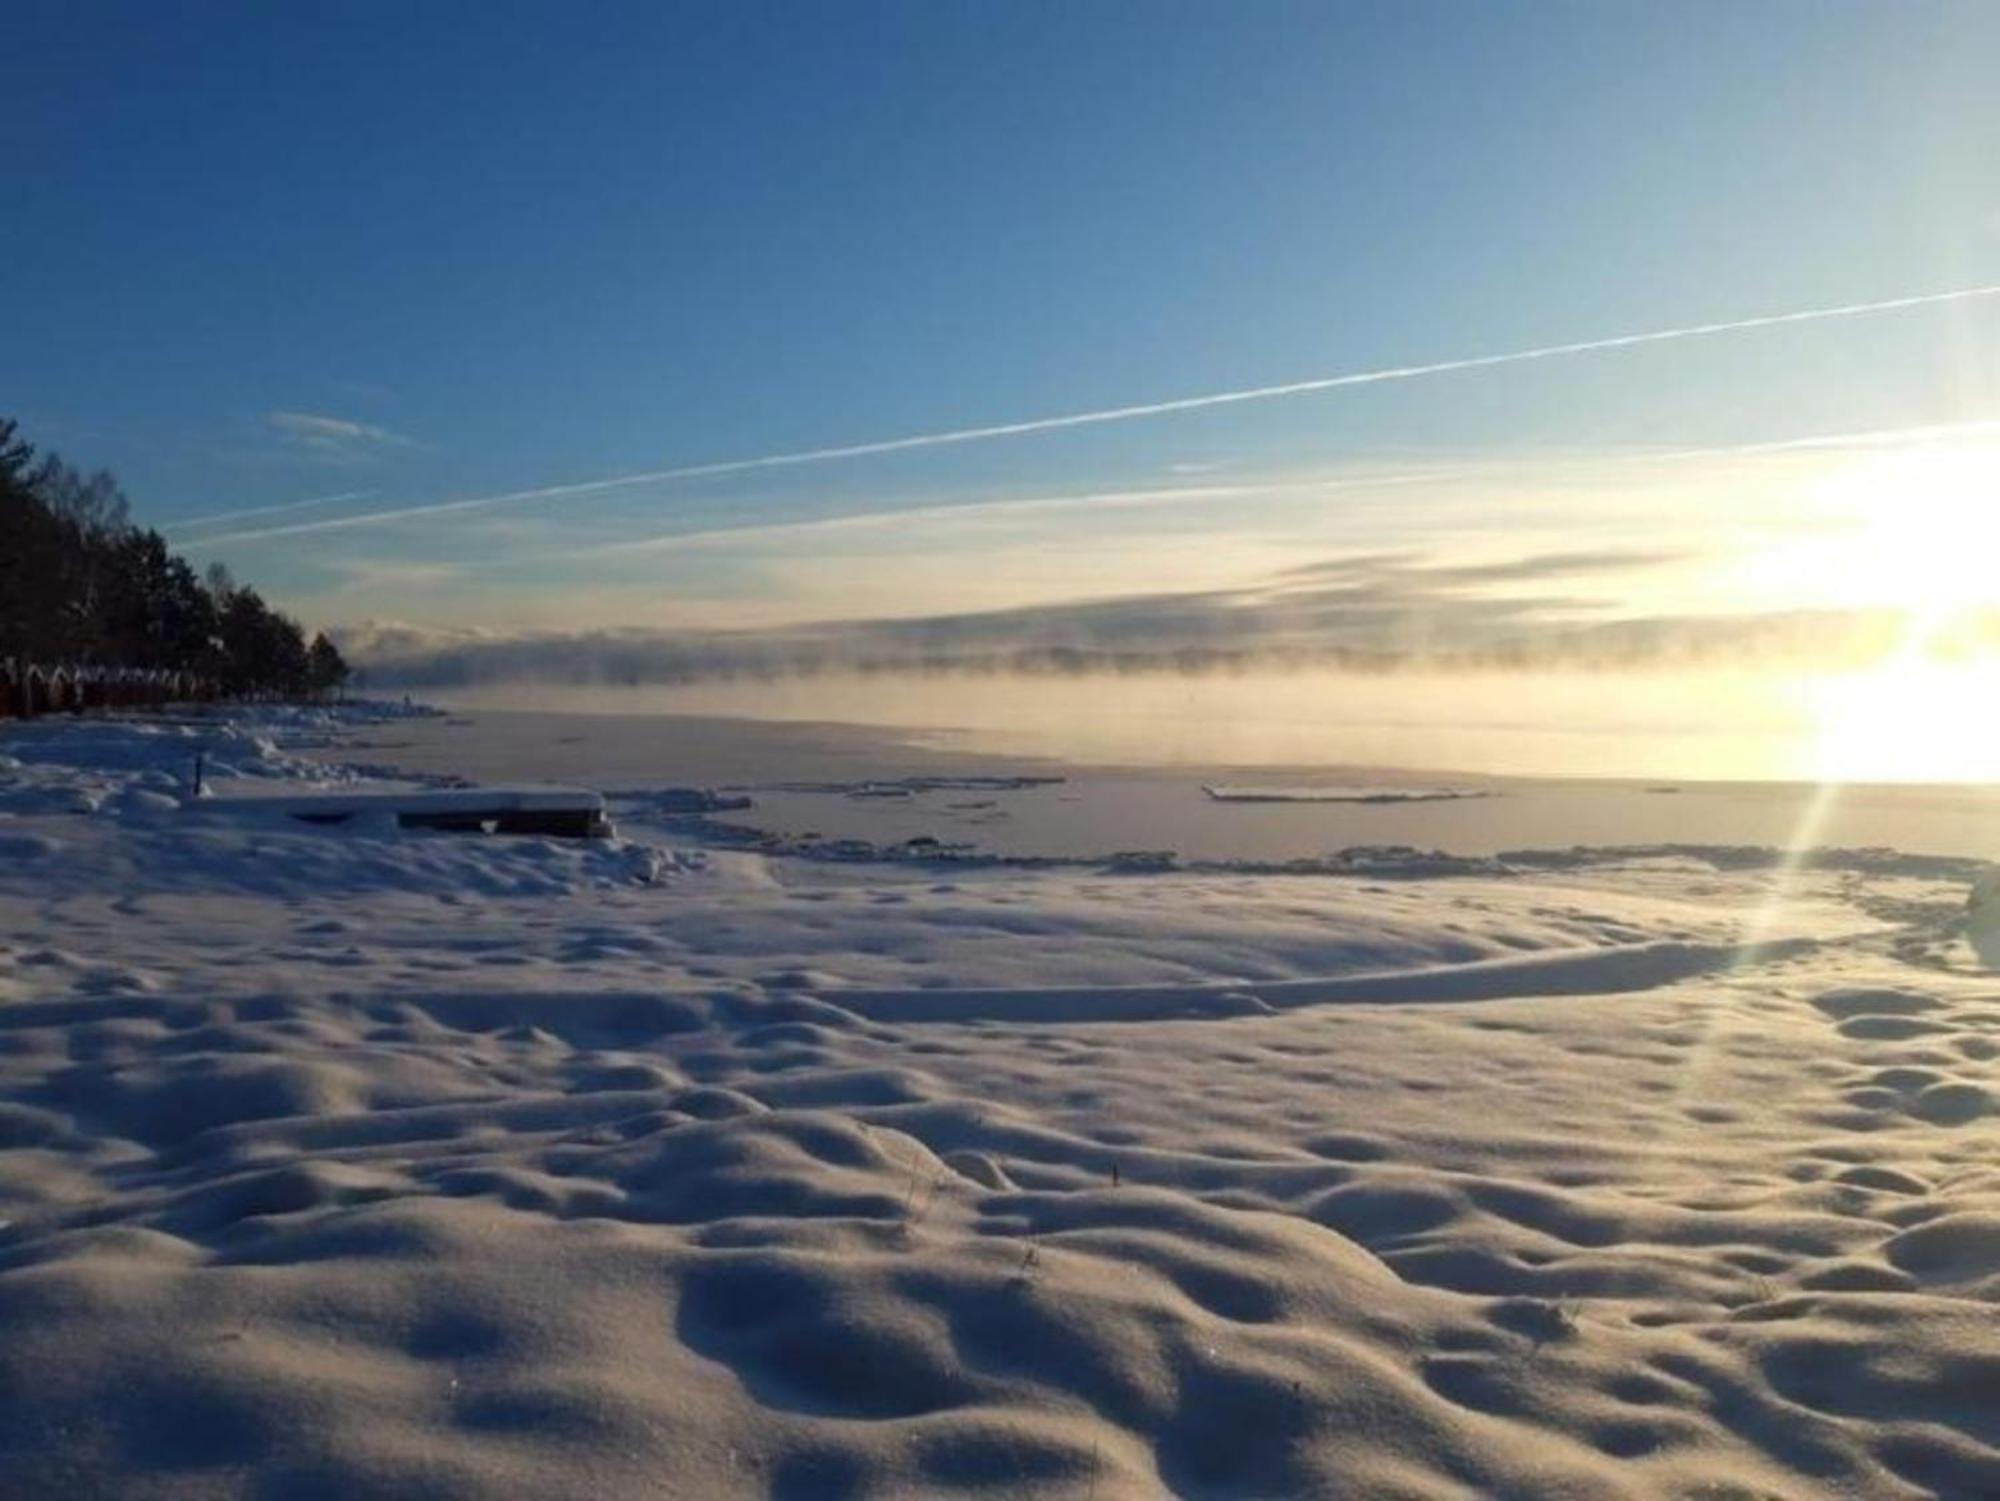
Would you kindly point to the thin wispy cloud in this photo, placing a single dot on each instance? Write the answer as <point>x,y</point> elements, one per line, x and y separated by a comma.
<point>863,521</point>
<point>335,434</point>
<point>320,429</point>
<point>974,512</point>
<point>359,574</point>
<point>1532,568</point>
<point>1874,437</point>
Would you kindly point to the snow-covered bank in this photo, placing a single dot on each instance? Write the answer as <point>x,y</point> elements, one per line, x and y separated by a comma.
<point>371,1163</point>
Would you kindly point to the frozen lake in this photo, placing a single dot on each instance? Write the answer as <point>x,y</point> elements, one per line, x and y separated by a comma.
<point>874,786</point>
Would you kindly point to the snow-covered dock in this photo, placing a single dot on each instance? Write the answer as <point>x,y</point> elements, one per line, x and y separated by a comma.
<point>567,812</point>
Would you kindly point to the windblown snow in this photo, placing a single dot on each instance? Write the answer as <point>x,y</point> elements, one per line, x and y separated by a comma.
<point>363,1162</point>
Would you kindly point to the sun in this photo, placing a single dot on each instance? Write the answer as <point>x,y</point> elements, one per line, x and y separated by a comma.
<point>1909,720</point>
<point>1922,541</point>
<point>1917,528</point>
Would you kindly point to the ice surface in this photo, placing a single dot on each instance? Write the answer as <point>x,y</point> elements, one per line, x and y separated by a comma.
<point>1340,794</point>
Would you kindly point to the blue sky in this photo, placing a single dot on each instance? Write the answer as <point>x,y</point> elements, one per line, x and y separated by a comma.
<point>261,254</point>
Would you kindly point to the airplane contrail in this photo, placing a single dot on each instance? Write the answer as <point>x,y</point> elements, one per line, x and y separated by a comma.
<point>1115,414</point>
<point>243,515</point>
<point>1874,437</point>
<point>1111,500</point>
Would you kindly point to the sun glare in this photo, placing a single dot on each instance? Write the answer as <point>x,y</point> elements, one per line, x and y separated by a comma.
<point>1911,720</point>
<point>1923,539</point>
<point>1923,527</point>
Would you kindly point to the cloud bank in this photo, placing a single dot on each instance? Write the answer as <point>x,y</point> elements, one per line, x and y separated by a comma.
<point>1376,613</point>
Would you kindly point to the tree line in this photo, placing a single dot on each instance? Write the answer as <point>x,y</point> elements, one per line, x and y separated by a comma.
<point>81,586</point>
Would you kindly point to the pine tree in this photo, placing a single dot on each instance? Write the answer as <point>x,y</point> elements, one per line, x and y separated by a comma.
<point>326,669</point>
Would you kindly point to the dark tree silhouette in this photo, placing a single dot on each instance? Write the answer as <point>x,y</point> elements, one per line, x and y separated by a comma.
<point>80,586</point>
<point>326,669</point>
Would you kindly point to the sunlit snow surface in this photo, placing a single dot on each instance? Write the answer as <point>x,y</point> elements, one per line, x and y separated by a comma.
<point>362,1163</point>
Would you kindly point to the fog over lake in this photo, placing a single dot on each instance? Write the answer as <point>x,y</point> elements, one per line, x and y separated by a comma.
<point>1744,725</point>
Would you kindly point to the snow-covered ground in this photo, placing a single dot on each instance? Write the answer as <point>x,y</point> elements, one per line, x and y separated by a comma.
<point>355,1162</point>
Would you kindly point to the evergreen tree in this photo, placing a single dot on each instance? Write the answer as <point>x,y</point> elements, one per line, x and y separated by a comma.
<point>326,669</point>
<point>81,586</point>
